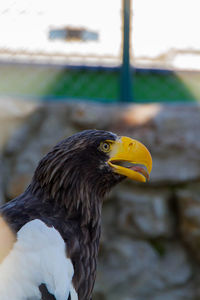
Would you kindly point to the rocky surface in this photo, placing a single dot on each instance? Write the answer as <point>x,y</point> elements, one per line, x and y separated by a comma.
<point>151,232</point>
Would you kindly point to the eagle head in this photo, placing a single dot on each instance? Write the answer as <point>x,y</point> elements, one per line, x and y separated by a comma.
<point>88,164</point>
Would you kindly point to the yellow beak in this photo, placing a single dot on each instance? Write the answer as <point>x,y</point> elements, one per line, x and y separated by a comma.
<point>131,158</point>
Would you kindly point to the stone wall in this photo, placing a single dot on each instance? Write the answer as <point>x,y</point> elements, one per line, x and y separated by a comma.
<point>151,232</point>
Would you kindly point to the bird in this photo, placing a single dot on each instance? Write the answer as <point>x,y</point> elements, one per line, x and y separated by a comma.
<point>49,235</point>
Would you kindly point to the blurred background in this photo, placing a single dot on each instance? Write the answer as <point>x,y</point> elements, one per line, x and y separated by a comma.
<point>63,49</point>
<point>132,67</point>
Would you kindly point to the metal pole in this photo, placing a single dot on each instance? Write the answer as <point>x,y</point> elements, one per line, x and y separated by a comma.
<point>126,80</point>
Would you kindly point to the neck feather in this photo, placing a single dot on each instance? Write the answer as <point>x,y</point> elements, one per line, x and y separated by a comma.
<point>80,198</point>
<point>78,188</point>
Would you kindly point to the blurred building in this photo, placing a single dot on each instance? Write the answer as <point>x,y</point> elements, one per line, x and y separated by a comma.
<point>73,49</point>
<point>164,33</point>
<point>61,31</point>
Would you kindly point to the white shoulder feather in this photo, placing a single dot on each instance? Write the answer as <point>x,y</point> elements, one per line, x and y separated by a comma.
<point>38,256</point>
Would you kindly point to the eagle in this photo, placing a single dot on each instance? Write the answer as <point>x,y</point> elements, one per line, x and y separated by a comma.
<point>49,235</point>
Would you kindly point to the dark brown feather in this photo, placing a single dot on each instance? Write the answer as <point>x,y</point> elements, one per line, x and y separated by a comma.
<point>66,192</point>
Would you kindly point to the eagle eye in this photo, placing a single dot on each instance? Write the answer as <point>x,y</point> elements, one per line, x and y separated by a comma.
<point>105,146</point>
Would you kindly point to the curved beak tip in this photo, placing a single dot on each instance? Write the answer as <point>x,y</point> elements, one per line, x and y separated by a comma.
<point>134,152</point>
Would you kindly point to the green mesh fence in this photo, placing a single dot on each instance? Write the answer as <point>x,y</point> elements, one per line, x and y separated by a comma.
<point>45,82</point>
<point>165,86</point>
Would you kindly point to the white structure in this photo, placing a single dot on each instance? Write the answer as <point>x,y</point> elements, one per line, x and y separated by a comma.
<point>165,32</point>
<point>26,28</point>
